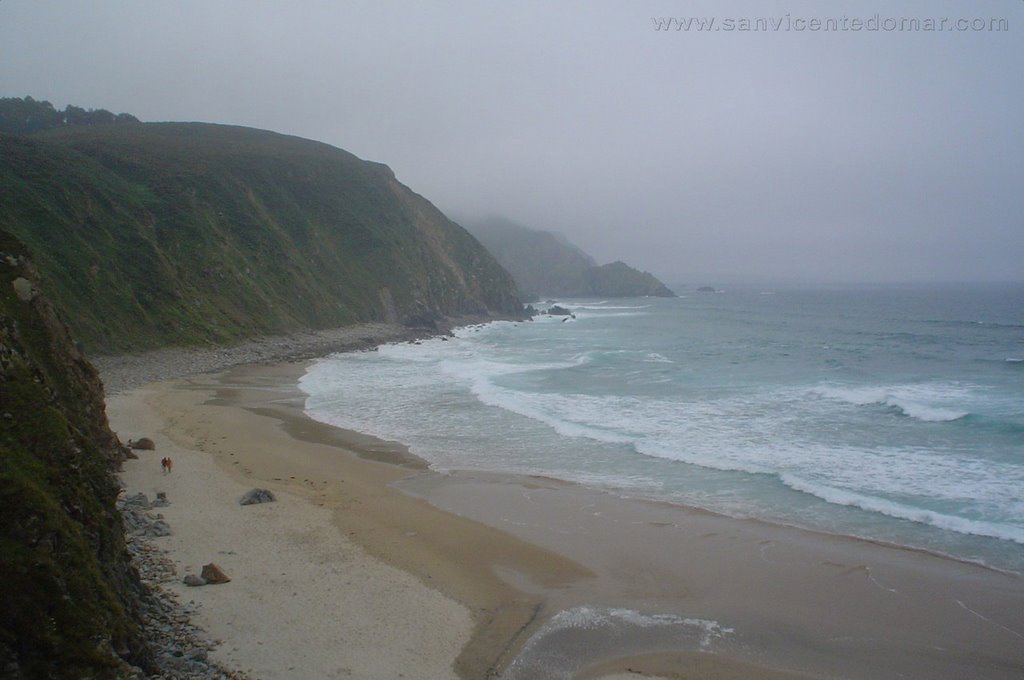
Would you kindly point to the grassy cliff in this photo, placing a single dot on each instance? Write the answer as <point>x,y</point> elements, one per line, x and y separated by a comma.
<point>149,234</point>
<point>144,235</point>
<point>69,592</point>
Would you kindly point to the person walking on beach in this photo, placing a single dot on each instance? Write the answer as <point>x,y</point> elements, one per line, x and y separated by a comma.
<point>166,464</point>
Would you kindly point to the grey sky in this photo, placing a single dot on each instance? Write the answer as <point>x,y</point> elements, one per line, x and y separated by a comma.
<point>846,155</point>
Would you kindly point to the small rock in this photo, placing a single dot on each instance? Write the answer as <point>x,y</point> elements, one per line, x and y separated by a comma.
<point>139,500</point>
<point>158,528</point>
<point>193,580</point>
<point>144,443</point>
<point>214,574</point>
<point>255,496</point>
<point>23,288</point>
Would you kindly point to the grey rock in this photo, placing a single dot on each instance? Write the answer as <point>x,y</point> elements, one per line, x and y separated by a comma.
<point>139,500</point>
<point>255,496</point>
<point>158,528</point>
<point>193,580</point>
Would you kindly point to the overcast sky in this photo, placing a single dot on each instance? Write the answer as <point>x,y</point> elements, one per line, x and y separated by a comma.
<point>803,154</point>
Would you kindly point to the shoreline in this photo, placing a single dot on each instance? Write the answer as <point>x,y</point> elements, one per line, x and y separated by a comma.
<point>446,556</point>
<point>123,372</point>
<point>533,554</point>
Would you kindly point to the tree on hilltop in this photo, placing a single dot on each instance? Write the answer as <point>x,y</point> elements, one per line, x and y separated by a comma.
<point>25,116</point>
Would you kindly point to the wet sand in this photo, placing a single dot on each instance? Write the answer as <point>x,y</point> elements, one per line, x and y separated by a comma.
<point>521,577</point>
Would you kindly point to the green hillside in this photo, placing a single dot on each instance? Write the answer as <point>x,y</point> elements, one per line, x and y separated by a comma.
<point>149,234</point>
<point>546,264</point>
<point>70,594</point>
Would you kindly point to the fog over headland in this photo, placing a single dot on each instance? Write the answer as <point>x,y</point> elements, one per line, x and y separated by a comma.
<point>840,141</point>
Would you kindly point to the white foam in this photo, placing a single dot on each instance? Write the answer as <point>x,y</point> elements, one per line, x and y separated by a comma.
<point>655,358</point>
<point>926,402</point>
<point>604,307</point>
<point>899,511</point>
<point>593,618</point>
<point>925,413</point>
<point>556,650</point>
<point>558,412</point>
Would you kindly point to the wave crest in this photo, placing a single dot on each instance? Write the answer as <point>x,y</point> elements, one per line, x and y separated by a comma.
<point>927,403</point>
<point>960,525</point>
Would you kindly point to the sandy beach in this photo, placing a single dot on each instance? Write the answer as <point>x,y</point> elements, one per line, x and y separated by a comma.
<point>304,600</point>
<point>370,565</point>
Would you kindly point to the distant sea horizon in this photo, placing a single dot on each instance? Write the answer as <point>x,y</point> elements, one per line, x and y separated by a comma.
<point>693,282</point>
<point>890,412</point>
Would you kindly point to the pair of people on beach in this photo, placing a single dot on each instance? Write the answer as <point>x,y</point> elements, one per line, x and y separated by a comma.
<point>166,464</point>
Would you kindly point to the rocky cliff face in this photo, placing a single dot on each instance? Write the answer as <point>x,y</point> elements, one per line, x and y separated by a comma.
<point>152,234</point>
<point>70,595</point>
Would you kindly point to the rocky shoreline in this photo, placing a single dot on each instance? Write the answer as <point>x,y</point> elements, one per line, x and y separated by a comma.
<point>181,649</point>
<point>127,371</point>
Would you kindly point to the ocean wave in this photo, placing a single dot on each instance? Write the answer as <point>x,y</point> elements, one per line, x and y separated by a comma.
<point>883,506</point>
<point>913,401</point>
<point>558,419</point>
<point>964,323</point>
<point>705,460</point>
<point>655,358</point>
<point>630,355</point>
<point>928,414</point>
<point>611,315</point>
<point>604,307</point>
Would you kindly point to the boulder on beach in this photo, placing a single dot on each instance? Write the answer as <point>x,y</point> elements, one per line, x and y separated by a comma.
<point>213,574</point>
<point>138,500</point>
<point>144,443</point>
<point>193,580</point>
<point>254,496</point>
<point>157,528</point>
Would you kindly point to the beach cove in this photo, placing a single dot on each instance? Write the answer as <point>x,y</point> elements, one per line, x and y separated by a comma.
<point>372,565</point>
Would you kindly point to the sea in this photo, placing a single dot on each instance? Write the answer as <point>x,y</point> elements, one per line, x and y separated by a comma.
<point>891,413</point>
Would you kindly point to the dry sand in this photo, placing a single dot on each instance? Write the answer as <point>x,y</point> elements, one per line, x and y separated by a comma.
<point>372,566</point>
<point>304,601</point>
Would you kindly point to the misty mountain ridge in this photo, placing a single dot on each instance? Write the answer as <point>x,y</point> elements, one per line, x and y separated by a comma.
<point>546,264</point>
